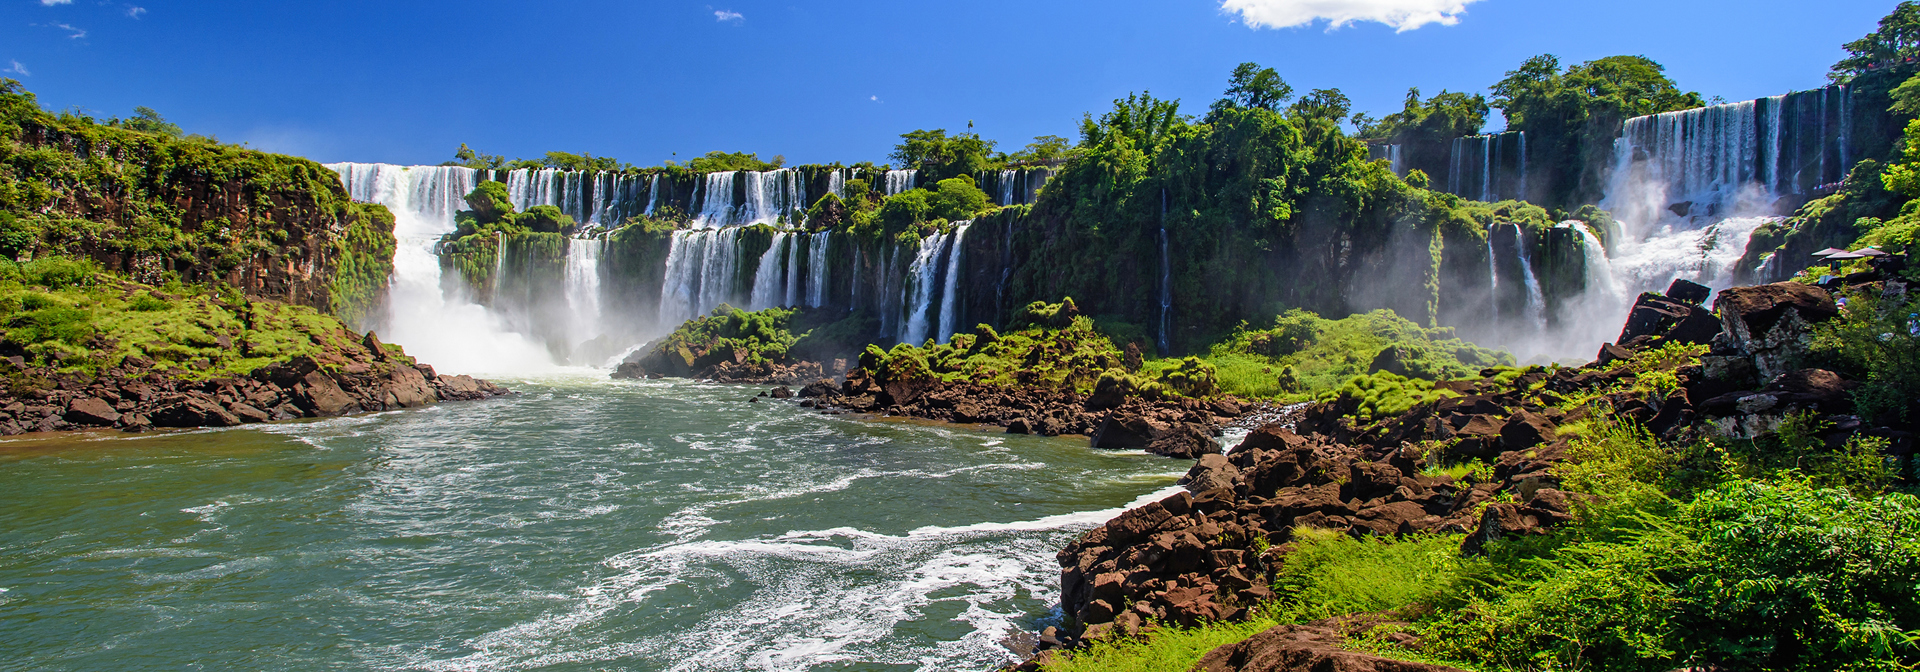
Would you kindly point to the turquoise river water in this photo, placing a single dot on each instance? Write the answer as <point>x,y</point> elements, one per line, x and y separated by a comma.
<point>583,524</point>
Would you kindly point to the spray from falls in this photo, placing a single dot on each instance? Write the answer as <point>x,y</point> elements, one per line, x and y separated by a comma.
<point>438,326</point>
<point>583,286</point>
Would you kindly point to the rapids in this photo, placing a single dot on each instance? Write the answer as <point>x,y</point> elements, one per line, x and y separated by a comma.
<point>584,524</point>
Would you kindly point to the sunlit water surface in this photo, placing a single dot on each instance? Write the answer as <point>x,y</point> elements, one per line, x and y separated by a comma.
<point>584,524</point>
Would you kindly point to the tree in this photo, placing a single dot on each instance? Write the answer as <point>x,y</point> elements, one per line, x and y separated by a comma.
<point>1252,86</point>
<point>146,120</point>
<point>490,202</point>
<point>589,162</point>
<point>1572,117</point>
<point>720,162</point>
<point>478,161</point>
<point>1043,149</point>
<point>957,198</point>
<point>1329,104</point>
<point>1897,40</point>
<point>938,156</point>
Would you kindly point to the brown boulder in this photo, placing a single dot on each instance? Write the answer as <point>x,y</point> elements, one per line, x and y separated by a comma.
<point>1761,306</point>
<point>1185,441</point>
<point>1130,430</point>
<point>319,395</point>
<point>1301,648</point>
<point>1524,430</point>
<point>248,414</point>
<point>193,412</point>
<point>1212,472</point>
<point>92,411</point>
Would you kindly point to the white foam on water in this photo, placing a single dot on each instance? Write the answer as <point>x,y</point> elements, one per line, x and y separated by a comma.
<point>810,607</point>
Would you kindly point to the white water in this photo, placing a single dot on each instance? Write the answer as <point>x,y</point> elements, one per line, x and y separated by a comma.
<point>1536,301</point>
<point>442,328</point>
<point>919,294</point>
<point>817,269</point>
<point>949,305</point>
<point>701,266</point>
<point>900,180</point>
<point>1166,293</point>
<point>583,287</point>
<point>768,288</point>
<point>795,281</point>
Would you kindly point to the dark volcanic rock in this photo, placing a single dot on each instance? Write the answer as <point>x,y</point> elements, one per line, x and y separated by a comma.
<point>92,411</point>
<point>1315,647</point>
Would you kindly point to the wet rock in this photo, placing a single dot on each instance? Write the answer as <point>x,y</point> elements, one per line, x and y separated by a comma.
<point>1212,472</point>
<point>1184,441</point>
<point>781,392</point>
<point>92,412</point>
<point>1128,431</point>
<point>193,412</point>
<point>319,395</point>
<point>1525,429</point>
<point>1771,325</point>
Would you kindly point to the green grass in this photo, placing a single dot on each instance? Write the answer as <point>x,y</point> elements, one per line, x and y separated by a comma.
<point>1165,650</point>
<point>95,321</point>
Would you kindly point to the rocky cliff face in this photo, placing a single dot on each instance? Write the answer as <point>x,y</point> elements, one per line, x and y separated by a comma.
<point>156,207</point>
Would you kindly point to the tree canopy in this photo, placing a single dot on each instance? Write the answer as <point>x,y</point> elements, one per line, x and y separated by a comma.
<point>1897,39</point>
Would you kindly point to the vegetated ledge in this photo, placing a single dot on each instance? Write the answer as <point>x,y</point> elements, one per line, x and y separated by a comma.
<point>87,350</point>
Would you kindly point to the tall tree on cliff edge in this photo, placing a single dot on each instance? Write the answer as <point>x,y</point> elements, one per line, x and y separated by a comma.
<point>1897,39</point>
<point>1572,117</point>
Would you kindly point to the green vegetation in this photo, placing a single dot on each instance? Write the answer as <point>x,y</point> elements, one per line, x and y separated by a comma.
<point>139,195</point>
<point>1048,345</point>
<point>770,336</point>
<point>1874,341</point>
<point>1572,115</point>
<point>1304,356</point>
<point>67,314</point>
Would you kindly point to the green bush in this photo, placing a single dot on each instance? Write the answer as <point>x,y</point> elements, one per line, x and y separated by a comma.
<point>1749,575</point>
<point>1873,341</point>
<point>1332,573</point>
<point>956,198</point>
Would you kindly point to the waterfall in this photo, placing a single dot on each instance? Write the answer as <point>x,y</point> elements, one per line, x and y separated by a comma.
<point>701,265</point>
<point>768,281</point>
<point>817,270</point>
<point>900,180</point>
<point>1486,171</point>
<point>918,297</point>
<point>1536,300</point>
<point>837,183</point>
<point>949,305</point>
<point>1731,160</point>
<point>1599,267</point>
<point>1493,277</point>
<point>583,286</point>
<point>1007,183</point>
<point>1522,195</point>
<point>444,328</point>
<point>794,279</point>
<point>653,195</point>
<point>716,201</point>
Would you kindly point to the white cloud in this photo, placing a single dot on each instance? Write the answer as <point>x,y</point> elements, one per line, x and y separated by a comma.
<point>18,69</point>
<point>1402,15</point>
<point>75,33</point>
<point>135,12</point>
<point>724,15</point>
<point>50,3</point>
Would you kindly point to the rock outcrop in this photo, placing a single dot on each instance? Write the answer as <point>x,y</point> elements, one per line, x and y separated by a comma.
<point>302,387</point>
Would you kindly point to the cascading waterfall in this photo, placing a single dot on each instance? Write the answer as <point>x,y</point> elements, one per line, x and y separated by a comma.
<point>1599,267</point>
<point>583,286</point>
<point>949,305</point>
<point>1536,300</point>
<point>919,294</point>
<point>436,325</point>
<point>1493,277</point>
<point>700,271</point>
<point>900,180</point>
<point>768,278</point>
<point>817,270</point>
<point>795,282</point>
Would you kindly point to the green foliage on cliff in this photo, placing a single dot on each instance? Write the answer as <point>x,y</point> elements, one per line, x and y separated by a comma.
<point>1572,115</point>
<point>773,335</point>
<point>1875,341</point>
<point>67,314</point>
<point>365,262</point>
<point>938,156</point>
<point>1049,345</point>
<point>140,199</point>
<point>720,162</point>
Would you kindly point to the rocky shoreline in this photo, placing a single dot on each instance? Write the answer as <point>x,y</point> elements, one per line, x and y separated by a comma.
<point>1210,553</point>
<point>134,398</point>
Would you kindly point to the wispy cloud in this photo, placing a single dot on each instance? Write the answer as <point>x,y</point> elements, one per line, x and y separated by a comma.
<point>72,32</point>
<point>1401,15</point>
<point>725,15</point>
<point>135,12</point>
<point>50,3</point>
<point>18,69</point>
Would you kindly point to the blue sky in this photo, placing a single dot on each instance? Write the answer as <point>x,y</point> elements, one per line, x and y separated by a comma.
<point>407,82</point>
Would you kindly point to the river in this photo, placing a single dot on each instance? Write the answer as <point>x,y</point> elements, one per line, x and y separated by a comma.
<point>583,524</point>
